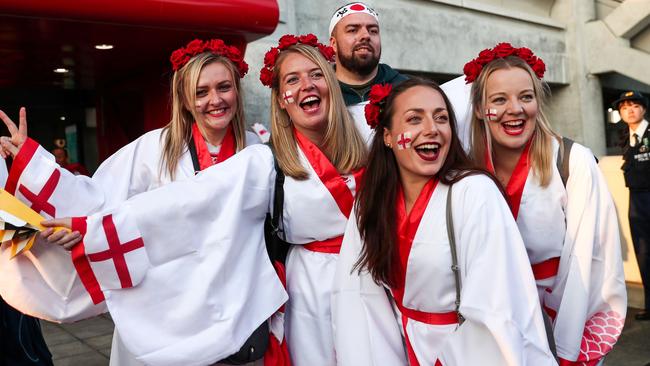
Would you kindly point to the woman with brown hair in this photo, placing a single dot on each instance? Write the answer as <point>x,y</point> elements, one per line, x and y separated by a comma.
<point>452,264</point>
<point>559,199</point>
<point>206,127</point>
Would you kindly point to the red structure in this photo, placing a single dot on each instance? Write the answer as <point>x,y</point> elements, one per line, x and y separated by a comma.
<point>127,85</point>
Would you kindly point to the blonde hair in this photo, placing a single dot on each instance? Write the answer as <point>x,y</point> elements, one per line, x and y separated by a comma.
<point>178,134</point>
<point>342,143</point>
<point>541,156</point>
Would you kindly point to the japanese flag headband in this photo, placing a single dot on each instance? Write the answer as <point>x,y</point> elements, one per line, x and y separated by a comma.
<point>351,8</point>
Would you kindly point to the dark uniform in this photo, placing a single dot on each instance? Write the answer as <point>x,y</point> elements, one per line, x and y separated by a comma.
<point>636,169</point>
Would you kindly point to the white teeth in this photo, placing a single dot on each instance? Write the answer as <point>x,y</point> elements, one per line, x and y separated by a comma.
<point>429,146</point>
<point>514,123</point>
<point>218,111</point>
<point>309,100</point>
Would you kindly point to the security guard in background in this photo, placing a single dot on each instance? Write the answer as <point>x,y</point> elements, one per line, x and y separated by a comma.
<point>632,107</point>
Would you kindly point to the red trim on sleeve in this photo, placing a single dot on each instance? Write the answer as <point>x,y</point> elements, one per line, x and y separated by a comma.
<point>82,265</point>
<point>21,160</point>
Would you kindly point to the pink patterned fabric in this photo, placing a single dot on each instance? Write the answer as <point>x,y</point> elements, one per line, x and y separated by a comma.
<point>600,335</point>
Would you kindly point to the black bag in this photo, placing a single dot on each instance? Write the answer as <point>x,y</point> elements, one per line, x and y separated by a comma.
<point>253,349</point>
<point>21,340</point>
<point>256,345</point>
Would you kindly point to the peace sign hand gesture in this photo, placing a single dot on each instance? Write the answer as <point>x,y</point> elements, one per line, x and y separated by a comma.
<point>11,145</point>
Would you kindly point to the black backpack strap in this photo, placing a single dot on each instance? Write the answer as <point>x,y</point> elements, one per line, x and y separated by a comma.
<point>454,255</point>
<point>276,247</point>
<point>563,158</point>
<point>191,145</point>
<point>278,199</point>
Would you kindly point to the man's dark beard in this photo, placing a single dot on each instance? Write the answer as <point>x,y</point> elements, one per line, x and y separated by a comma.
<point>361,67</point>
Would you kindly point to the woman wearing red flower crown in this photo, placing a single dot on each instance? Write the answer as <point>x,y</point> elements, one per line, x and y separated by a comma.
<point>206,128</point>
<point>320,153</point>
<point>453,264</point>
<point>559,199</point>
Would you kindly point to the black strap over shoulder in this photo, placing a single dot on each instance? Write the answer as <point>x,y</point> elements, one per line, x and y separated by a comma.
<point>454,255</point>
<point>563,157</point>
<point>276,246</point>
<point>191,145</point>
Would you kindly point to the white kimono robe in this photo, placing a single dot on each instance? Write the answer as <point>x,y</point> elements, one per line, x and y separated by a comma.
<point>3,173</point>
<point>312,213</point>
<point>503,323</point>
<point>587,299</point>
<point>31,284</point>
<point>458,93</point>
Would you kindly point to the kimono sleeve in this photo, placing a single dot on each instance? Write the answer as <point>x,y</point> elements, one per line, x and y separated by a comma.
<point>183,268</point>
<point>366,331</point>
<point>3,173</point>
<point>503,320</point>
<point>588,300</point>
<point>43,282</point>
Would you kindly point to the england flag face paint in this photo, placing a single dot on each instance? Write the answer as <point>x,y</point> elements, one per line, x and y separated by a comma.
<point>288,97</point>
<point>491,114</point>
<point>404,140</point>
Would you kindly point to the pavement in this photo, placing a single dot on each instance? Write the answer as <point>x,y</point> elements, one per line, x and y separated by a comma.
<point>88,342</point>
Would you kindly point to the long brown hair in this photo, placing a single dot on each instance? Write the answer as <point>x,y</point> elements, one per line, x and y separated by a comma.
<point>375,205</point>
<point>541,149</point>
<point>343,145</point>
<point>177,134</point>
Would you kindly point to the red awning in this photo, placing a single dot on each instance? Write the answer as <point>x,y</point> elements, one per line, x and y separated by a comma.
<point>249,18</point>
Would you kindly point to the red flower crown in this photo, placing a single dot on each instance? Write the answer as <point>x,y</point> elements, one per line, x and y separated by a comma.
<point>286,41</point>
<point>377,98</point>
<point>473,68</point>
<point>182,56</point>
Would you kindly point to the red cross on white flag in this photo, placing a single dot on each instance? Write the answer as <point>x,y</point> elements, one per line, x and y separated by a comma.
<point>491,114</point>
<point>288,97</point>
<point>404,141</point>
<point>39,200</point>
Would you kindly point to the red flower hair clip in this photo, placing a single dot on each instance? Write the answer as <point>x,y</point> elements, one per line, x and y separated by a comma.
<point>286,41</point>
<point>473,68</point>
<point>377,99</point>
<point>182,56</point>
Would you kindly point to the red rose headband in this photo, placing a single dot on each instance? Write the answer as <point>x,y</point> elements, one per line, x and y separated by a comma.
<point>286,41</point>
<point>377,100</point>
<point>182,56</point>
<point>473,68</point>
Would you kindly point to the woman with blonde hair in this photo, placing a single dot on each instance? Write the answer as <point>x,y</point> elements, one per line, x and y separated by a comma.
<point>321,153</point>
<point>559,199</point>
<point>319,158</point>
<point>207,127</point>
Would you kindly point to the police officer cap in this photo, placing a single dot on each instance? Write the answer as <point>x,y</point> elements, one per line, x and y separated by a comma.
<point>631,95</point>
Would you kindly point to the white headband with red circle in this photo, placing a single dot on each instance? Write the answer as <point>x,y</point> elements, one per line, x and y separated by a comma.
<point>351,8</point>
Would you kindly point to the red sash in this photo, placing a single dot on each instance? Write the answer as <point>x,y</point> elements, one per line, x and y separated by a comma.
<point>335,184</point>
<point>515,187</point>
<point>328,174</point>
<point>546,269</point>
<point>203,154</point>
<point>332,246</point>
<point>407,227</point>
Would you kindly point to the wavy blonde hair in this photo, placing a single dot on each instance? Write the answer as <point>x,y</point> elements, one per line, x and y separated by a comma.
<point>342,143</point>
<point>541,148</point>
<point>177,134</point>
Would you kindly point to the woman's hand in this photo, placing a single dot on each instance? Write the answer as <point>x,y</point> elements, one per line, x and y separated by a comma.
<point>65,238</point>
<point>11,145</point>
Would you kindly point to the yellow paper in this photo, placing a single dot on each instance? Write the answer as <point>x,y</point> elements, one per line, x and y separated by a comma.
<point>16,208</point>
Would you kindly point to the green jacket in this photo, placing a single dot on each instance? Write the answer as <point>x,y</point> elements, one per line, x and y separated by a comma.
<point>385,74</point>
